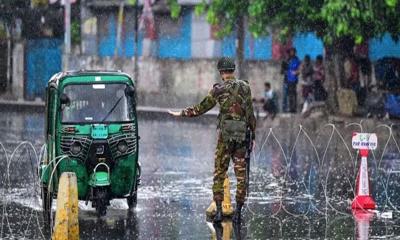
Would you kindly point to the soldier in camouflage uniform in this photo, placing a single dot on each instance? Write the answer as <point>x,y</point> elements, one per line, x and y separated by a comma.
<point>236,117</point>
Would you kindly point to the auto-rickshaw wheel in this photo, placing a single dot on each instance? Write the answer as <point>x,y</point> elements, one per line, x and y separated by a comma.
<point>101,198</point>
<point>46,203</point>
<point>101,210</point>
<point>132,200</point>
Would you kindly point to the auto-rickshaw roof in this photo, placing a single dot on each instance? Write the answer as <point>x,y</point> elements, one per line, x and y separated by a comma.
<point>61,76</point>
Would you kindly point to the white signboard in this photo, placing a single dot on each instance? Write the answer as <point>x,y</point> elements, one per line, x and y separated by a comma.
<point>364,141</point>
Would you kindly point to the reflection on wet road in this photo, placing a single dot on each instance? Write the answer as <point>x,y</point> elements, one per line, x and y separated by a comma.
<point>302,183</point>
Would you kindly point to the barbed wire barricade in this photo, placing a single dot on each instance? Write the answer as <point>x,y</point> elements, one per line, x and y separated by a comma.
<point>301,174</point>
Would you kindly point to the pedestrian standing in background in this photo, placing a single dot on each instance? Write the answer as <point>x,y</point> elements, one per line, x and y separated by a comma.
<point>284,68</point>
<point>361,52</point>
<point>365,78</point>
<point>307,78</point>
<point>270,101</point>
<point>293,72</point>
<point>320,93</point>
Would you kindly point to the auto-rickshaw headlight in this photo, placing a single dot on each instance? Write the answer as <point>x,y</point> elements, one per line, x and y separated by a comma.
<point>122,146</point>
<point>76,148</point>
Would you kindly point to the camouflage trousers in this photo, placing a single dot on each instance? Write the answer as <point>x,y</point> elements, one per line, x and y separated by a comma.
<point>223,154</point>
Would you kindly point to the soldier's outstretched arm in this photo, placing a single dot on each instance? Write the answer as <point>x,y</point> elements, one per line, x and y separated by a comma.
<point>174,113</point>
<point>205,105</point>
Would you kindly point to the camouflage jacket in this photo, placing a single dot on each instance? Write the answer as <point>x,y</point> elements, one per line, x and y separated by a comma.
<point>234,99</point>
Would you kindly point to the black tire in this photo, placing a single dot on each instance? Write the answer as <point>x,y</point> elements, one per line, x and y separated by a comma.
<point>101,198</point>
<point>132,200</point>
<point>101,210</point>
<point>47,200</point>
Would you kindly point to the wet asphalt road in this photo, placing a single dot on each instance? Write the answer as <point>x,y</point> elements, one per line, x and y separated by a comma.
<point>302,183</point>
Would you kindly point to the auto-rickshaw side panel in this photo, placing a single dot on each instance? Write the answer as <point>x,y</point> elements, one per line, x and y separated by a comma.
<point>123,173</point>
<point>78,167</point>
<point>49,158</point>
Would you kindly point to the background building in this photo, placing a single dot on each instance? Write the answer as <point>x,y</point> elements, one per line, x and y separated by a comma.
<point>176,56</point>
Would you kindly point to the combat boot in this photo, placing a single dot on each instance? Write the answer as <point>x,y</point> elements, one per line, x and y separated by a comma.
<point>218,214</point>
<point>237,217</point>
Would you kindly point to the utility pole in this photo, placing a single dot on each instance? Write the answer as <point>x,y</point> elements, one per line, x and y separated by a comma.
<point>136,53</point>
<point>119,27</point>
<point>240,46</point>
<point>67,33</point>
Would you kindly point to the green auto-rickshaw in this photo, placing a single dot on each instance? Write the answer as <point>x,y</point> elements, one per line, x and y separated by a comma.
<point>91,130</point>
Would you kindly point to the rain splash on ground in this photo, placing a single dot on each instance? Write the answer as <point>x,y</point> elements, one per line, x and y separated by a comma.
<point>302,182</point>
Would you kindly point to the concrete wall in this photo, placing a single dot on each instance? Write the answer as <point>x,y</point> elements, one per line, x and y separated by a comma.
<point>18,71</point>
<point>176,84</point>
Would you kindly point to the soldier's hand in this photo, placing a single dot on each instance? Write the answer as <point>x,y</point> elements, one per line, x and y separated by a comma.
<point>253,146</point>
<point>175,113</point>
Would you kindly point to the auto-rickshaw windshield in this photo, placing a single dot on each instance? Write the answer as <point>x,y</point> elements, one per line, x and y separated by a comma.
<point>96,103</point>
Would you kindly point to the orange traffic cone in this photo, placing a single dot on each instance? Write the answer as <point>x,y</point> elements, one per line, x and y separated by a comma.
<point>363,199</point>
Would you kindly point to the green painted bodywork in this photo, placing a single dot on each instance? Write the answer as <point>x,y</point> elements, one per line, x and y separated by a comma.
<point>99,179</point>
<point>124,171</point>
<point>76,166</point>
<point>97,78</point>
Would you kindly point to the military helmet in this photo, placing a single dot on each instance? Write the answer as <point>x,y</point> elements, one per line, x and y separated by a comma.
<point>226,63</point>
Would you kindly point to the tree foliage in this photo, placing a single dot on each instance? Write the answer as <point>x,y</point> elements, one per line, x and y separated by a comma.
<point>224,13</point>
<point>329,19</point>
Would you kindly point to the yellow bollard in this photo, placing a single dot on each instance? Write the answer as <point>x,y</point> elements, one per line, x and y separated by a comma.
<point>227,209</point>
<point>66,225</point>
<point>227,229</point>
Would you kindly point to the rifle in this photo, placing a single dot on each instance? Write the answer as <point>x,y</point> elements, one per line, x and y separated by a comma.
<point>249,145</point>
